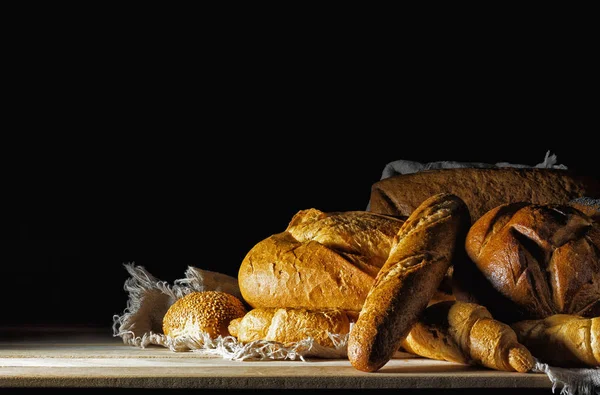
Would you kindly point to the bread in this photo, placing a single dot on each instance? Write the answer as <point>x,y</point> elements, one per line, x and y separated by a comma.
<point>535,260</point>
<point>467,333</point>
<point>590,207</point>
<point>321,261</point>
<point>198,313</point>
<point>422,253</point>
<point>482,189</point>
<point>287,325</point>
<point>564,340</point>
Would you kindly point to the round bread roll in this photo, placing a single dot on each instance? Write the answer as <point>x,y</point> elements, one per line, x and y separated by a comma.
<point>202,312</point>
<point>536,261</point>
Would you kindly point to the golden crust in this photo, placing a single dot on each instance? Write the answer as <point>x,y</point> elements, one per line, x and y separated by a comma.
<point>209,312</point>
<point>288,325</point>
<point>321,261</point>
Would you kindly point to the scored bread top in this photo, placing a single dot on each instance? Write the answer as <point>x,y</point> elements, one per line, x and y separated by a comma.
<point>321,261</point>
<point>544,258</point>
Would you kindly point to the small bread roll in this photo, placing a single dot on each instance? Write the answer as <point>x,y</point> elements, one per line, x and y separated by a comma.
<point>208,311</point>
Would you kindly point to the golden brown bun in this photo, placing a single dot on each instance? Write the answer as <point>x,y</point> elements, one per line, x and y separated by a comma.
<point>467,333</point>
<point>480,189</point>
<point>419,260</point>
<point>202,312</point>
<point>290,325</point>
<point>562,339</point>
<point>541,259</point>
<point>321,261</point>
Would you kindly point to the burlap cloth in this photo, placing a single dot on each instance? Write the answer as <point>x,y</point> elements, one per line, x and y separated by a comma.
<point>140,324</point>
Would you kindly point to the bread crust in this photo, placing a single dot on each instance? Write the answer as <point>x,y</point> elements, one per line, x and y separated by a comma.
<point>543,259</point>
<point>482,189</point>
<point>287,325</point>
<point>420,258</point>
<point>321,261</point>
<point>207,312</point>
<point>564,340</point>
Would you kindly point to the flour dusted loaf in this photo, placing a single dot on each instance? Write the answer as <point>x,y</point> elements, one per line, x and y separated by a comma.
<point>531,261</point>
<point>321,261</point>
<point>482,189</point>
<point>199,313</point>
<point>423,251</point>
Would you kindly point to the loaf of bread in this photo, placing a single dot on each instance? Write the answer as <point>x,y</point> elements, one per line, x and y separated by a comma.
<point>467,333</point>
<point>482,189</point>
<point>422,253</point>
<point>287,325</point>
<point>535,260</point>
<point>199,313</point>
<point>321,261</point>
<point>564,340</point>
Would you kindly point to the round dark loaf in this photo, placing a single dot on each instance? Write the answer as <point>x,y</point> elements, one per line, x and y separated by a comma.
<point>535,261</point>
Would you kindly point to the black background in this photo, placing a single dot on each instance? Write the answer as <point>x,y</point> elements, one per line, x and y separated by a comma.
<point>145,149</point>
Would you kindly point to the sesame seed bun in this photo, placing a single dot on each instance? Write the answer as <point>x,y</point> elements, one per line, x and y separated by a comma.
<point>208,311</point>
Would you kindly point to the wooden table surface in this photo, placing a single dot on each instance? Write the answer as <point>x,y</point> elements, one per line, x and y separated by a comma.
<point>98,360</point>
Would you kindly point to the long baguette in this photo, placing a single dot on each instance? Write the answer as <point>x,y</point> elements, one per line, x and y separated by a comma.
<point>420,257</point>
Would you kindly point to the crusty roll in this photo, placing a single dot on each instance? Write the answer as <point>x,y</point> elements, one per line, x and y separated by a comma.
<point>467,333</point>
<point>202,312</point>
<point>321,261</point>
<point>535,260</point>
<point>287,325</point>
<point>481,189</point>
<point>422,253</point>
<point>564,340</point>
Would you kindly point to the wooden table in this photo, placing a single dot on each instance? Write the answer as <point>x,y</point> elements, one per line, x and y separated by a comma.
<point>97,360</point>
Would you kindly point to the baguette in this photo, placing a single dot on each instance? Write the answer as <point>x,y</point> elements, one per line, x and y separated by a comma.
<point>481,189</point>
<point>418,261</point>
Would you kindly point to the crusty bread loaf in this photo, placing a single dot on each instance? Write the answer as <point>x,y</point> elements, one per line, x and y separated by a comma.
<point>321,261</point>
<point>202,312</point>
<point>540,259</point>
<point>481,189</point>
<point>420,258</point>
<point>287,325</point>
<point>467,333</point>
<point>564,340</point>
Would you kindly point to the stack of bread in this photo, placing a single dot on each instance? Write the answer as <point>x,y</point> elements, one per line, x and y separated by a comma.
<point>491,267</point>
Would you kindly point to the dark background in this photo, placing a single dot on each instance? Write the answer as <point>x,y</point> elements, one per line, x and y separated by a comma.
<point>170,154</point>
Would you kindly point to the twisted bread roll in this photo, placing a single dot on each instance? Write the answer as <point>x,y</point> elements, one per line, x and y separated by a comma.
<point>467,333</point>
<point>290,325</point>
<point>562,339</point>
<point>422,253</point>
<point>322,261</point>
<point>542,259</point>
